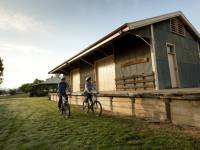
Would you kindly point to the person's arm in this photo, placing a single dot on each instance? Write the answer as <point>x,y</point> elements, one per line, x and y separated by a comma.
<point>93,87</point>
<point>67,88</point>
<point>58,90</point>
<point>86,88</point>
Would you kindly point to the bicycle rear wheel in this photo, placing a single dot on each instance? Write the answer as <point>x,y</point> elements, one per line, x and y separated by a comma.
<point>85,106</point>
<point>97,108</point>
<point>66,111</point>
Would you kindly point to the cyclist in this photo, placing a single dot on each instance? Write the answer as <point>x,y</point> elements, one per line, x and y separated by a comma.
<point>63,86</point>
<point>88,89</point>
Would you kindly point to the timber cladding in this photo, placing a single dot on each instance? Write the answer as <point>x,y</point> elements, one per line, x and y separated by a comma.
<point>180,110</point>
<point>133,65</point>
<point>136,82</point>
<point>150,108</point>
<point>135,61</point>
<point>85,71</point>
<point>122,105</point>
<point>185,112</point>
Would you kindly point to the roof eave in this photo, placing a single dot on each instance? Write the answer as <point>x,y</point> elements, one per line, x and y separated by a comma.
<point>92,47</point>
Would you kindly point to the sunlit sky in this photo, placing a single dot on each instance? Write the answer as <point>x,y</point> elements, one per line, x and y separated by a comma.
<point>38,35</point>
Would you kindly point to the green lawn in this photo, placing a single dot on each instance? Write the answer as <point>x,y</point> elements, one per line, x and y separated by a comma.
<point>34,123</point>
<point>14,96</point>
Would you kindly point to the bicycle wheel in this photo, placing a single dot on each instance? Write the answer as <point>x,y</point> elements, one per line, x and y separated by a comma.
<point>85,106</point>
<point>97,108</point>
<point>66,111</point>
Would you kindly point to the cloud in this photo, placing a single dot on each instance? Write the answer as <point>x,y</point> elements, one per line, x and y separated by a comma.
<point>24,63</point>
<point>22,49</point>
<point>18,22</point>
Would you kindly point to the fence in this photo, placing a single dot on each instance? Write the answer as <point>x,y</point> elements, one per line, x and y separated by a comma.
<point>135,82</point>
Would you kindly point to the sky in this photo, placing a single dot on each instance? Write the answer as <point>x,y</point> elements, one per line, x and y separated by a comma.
<point>38,35</point>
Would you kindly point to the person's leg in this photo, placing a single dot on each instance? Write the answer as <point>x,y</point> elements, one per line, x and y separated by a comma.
<point>66,97</point>
<point>60,101</point>
<point>87,97</point>
<point>90,97</point>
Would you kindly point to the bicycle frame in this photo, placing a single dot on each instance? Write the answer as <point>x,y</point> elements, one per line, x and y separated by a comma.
<point>89,105</point>
<point>65,107</point>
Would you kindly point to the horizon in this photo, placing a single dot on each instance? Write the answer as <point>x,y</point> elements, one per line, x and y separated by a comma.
<point>35,37</point>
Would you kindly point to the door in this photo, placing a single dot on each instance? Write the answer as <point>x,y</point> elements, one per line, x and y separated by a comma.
<point>106,74</point>
<point>172,65</point>
<point>76,80</point>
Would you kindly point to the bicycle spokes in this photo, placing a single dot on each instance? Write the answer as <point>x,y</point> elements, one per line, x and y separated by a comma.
<point>97,108</point>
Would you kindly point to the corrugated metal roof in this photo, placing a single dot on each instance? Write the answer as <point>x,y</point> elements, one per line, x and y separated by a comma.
<point>131,26</point>
<point>52,80</point>
<point>153,20</point>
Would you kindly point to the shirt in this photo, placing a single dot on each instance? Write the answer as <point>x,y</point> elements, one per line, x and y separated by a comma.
<point>63,87</point>
<point>88,87</point>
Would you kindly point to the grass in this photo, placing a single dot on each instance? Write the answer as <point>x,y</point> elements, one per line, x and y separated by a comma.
<point>14,96</point>
<point>34,123</point>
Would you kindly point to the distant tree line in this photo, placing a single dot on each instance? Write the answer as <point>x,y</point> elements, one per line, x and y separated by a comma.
<point>32,89</point>
<point>1,70</point>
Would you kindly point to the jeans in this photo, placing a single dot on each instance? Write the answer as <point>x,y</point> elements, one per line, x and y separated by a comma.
<point>88,97</point>
<point>60,99</point>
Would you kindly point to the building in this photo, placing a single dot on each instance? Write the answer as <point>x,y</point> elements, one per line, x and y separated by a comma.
<point>160,52</point>
<point>48,86</point>
<point>153,55</point>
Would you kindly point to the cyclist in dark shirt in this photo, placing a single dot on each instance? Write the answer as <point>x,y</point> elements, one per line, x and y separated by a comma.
<point>63,86</point>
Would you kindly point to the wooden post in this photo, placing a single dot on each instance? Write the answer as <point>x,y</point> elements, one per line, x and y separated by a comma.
<point>133,106</point>
<point>168,109</point>
<point>111,104</point>
<point>198,48</point>
<point>153,58</point>
<point>69,99</point>
<point>134,83</point>
<point>144,82</point>
<point>124,83</point>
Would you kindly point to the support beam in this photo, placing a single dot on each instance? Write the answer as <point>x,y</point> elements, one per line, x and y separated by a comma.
<point>64,71</point>
<point>113,48</point>
<point>143,40</point>
<point>101,51</point>
<point>87,62</point>
<point>153,58</point>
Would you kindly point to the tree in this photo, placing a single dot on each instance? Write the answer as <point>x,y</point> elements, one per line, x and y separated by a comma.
<point>1,70</point>
<point>37,81</point>
<point>12,91</point>
<point>26,88</point>
<point>2,92</point>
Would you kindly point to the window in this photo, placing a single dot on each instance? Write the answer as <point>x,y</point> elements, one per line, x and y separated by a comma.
<point>170,48</point>
<point>177,26</point>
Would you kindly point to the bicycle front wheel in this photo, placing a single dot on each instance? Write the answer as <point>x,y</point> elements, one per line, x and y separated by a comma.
<point>97,108</point>
<point>66,111</point>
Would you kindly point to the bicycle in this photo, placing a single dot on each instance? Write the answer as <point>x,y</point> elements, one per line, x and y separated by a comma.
<point>94,105</point>
<point>65,108</point>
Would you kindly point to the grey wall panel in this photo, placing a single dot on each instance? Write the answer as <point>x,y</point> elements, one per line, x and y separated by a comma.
<point>144,32</point>
<point>189,74</point>
<point>186,54</point>
<point>163,74</point>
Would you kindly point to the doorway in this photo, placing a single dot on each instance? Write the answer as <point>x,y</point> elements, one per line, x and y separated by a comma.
<point>173,70</point>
